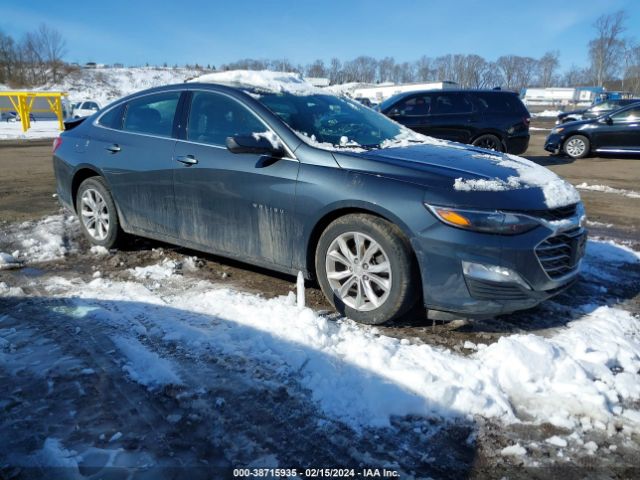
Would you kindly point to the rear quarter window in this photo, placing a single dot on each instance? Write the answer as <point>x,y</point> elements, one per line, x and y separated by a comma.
<point>152,114</point>
<point>490,102</point>
<point>112,118</point>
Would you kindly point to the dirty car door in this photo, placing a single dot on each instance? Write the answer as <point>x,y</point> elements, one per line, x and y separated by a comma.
<point>136,157</point>
<point>238,204</point>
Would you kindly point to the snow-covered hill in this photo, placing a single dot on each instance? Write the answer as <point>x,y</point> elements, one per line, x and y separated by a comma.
<point>108,84</point>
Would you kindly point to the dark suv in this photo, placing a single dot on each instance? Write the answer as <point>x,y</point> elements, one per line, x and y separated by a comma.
<point>489,119</point>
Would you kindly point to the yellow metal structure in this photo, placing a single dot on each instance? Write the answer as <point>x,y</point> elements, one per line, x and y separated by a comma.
<point>22,103</point>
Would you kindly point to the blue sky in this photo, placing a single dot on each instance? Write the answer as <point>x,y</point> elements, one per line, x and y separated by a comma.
<point>135,32</point>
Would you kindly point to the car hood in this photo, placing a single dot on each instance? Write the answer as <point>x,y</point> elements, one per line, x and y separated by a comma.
<point>455,174</point>
<point>579,123</point>
<point>573,112</point>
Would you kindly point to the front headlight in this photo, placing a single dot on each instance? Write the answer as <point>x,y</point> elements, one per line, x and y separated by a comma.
<point>557,130</point>
<point>504,223</point>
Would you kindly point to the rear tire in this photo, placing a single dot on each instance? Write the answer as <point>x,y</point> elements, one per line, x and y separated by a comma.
<point>366,269</point>
<point>576,146</point>
<point>97,213</point>
<point>489,142</point>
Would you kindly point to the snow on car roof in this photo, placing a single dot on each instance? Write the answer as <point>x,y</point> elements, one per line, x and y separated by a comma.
<point>267,80</point>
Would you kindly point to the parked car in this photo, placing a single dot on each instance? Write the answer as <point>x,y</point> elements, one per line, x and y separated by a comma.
<point>307,181</point>
<point>594,111</point>
<point>496,120</point>
<point>364,101</point>
<point>14,117</point>
<point>616,132</point>
<point>85,108</point>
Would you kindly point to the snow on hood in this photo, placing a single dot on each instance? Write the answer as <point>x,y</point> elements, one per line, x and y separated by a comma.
<point>261,79</point>
<point>557,192</point>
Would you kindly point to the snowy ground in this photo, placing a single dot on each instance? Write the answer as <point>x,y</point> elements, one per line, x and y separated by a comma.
<point>39,129</point>
<point>114,367</point>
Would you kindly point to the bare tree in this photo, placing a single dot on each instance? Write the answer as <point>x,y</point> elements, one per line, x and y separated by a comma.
<point>547,67</point>
<point>53,48</point>
<point>607,49</point>
<point>335,72</point>
<point>361,69</point>
<point>386,69</point>
<point>631,76</point>
<point>575,77</point>
<point>316,69</point>
<point>8,59</point>
<point>424,69</point>
<point>517,72</point>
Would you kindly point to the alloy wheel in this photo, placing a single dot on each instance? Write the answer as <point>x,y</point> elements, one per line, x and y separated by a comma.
<point>358,271</point>
<point>94,214</point>
<point>575,147</point>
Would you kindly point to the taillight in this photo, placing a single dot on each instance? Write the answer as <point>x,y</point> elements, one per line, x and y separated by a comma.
<point>56,143</point>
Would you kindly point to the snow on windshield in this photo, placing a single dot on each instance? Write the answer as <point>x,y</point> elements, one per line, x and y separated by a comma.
<point>263,80</point>
<point>557,192</point>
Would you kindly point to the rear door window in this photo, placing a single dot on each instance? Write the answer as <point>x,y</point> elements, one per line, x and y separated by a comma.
<point>450,103</point>
<point>152,114</point>
<point>214,117</point>
<point>414,106</point>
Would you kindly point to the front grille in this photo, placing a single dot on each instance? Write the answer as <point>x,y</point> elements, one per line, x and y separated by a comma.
<point>555,213</point>
<point>559,255</point>
<point>486,290</point>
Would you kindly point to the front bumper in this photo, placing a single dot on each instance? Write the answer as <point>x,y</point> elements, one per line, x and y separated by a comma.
<point>553,143</point>
<point>443,249</point>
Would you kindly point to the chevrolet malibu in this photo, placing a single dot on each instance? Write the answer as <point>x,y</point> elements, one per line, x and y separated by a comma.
<point>270,171</point>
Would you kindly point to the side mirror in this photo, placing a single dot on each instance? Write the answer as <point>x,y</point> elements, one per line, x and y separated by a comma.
<point>256,144</point>
<point>606,119</point>
<point>394,112</point>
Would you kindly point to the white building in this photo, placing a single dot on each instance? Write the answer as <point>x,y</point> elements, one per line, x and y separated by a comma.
<point>379,93</point>
<point>556,96</point>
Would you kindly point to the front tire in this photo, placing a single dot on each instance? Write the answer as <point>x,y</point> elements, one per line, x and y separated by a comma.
<point>577,146</point>
<point>97,213</point>
<point>366,269</point>
<point>489,142</point>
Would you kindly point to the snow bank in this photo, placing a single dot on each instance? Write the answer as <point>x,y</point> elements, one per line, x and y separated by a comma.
<point>262,80</point>
<point>44,240</point>
<point>557,192</point>
<point>8,261</point>
<point>39,129</point>
<point>607,189</point>
<point>584,374</point>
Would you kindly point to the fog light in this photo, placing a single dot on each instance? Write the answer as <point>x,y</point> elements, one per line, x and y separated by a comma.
<point>493,273</point>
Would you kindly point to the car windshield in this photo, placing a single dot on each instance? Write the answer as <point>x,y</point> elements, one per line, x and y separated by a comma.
<point>332,120</point>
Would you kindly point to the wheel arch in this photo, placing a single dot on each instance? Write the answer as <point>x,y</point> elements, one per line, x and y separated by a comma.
<point>495,133</point>
<point>80,176</point>
<point>340,211</point>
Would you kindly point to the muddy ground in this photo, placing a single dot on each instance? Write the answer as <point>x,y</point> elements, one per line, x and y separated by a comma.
<point>27,193</point>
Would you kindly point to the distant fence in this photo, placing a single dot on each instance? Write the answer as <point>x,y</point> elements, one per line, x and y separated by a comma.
<point>25,103</point>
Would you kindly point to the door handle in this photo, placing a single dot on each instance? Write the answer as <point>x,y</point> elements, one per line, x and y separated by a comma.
<point>115,148</point>
<point>187,159</point>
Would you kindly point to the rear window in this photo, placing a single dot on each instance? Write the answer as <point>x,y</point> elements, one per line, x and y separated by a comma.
<point>496,102</point>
